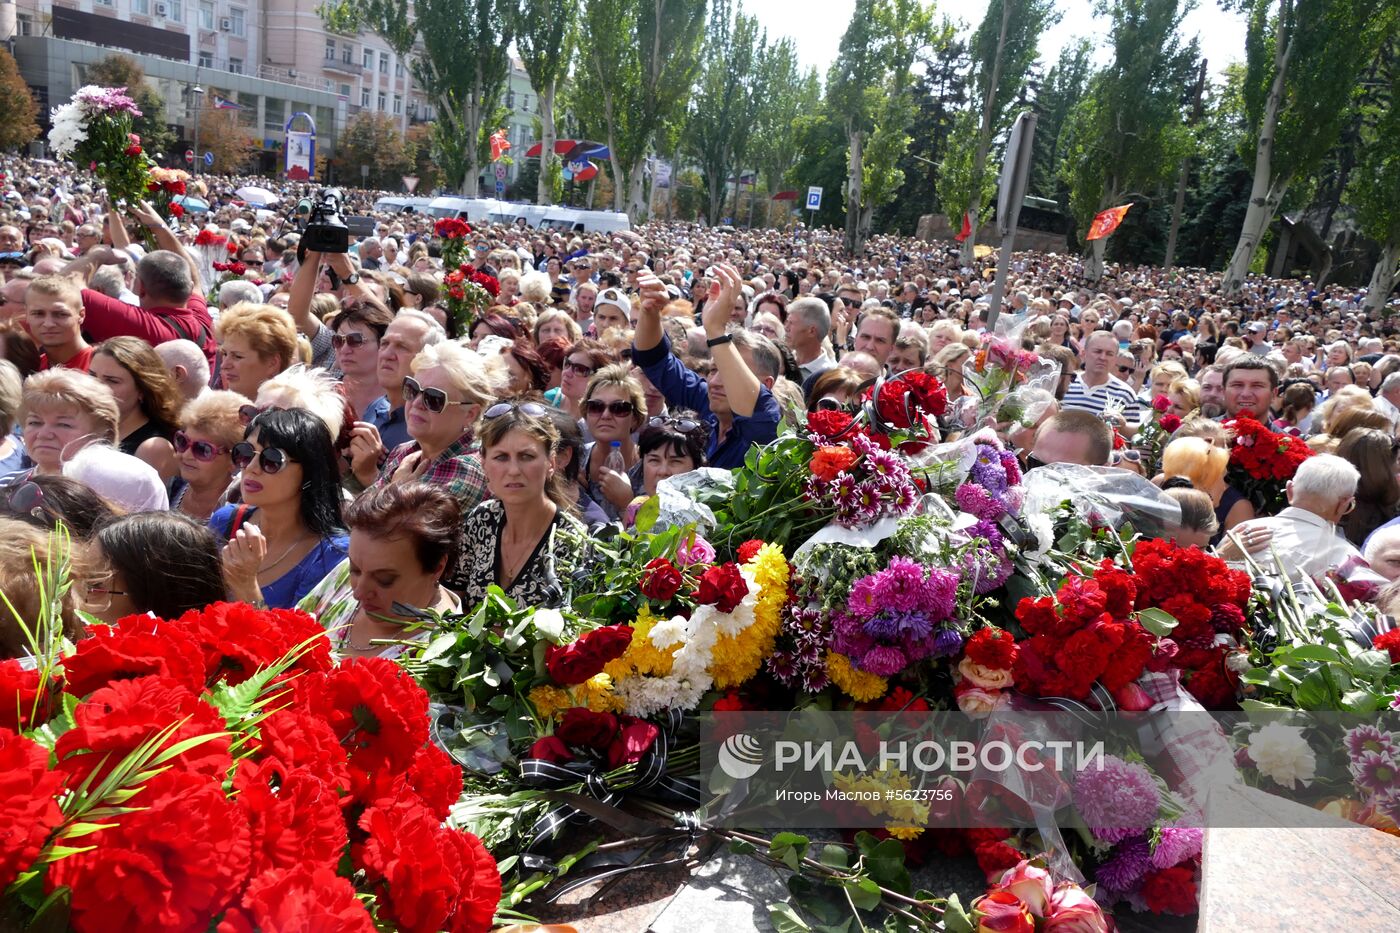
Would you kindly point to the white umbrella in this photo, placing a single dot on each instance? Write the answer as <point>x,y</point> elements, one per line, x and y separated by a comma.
<point>259,196</point>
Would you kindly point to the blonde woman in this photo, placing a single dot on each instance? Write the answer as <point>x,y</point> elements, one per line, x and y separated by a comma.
<point>1204,464</point>
<point>62,411</point>
<point>256,342</point>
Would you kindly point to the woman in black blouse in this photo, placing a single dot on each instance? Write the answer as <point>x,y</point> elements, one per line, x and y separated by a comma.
<point>515,540</point>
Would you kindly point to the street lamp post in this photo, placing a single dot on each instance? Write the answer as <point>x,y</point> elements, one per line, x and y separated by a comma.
<point>196,97</point>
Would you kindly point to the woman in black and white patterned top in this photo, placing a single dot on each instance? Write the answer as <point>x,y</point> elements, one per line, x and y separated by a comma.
<point>517,539</point>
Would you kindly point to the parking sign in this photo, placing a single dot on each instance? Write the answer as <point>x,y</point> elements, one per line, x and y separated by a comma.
<point>814,198</point>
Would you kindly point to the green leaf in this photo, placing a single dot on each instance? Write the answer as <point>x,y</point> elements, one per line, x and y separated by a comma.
<point>740,847</point>
<point>1157,622</point>
<point>1308,653</point>
<point>835,856</point>
<point>789,848</point>
<point>439,646</point>
<point>886,865</point>
<point>1361,701</point>
<point>785,919</point>
<point>864,893</point>
<point>1312,693</point>
<point>956,919</point>
<point>648,514</point>
<point>1371,666</point>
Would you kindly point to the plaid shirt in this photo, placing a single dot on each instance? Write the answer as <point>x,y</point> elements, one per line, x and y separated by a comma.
<point>457,470</point>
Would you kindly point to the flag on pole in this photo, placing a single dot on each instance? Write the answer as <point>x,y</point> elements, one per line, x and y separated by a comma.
<point>499,144</point>
<point>966,228</point>
<point>1105,222</point>
<point>223,103</point>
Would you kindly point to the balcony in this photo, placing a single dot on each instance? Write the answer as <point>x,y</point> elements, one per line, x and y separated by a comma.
<point>339,67</point>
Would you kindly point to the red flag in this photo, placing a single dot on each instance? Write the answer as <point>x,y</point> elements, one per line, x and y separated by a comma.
<point>499,143</point>
<point>1105,222</point>
<point>966,228</point>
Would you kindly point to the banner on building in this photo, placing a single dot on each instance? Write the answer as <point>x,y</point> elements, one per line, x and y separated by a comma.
<point>299,153</point>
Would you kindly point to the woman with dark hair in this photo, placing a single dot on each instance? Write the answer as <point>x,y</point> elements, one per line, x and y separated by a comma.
<point>585,358</point>
<point>671,445</point>
<point>1373,453</point>
<point>357,330</point>
<point>569,462</point>
<point>404,538</point>
<point>159,562</point>
<point>493,324</point>
<point>287,534</point>
<point>528,371</point>
<point>513,540</point>
<point>44,501</point>
<point>147,400</point>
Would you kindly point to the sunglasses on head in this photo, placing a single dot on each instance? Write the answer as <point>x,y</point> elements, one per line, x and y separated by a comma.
<point>579,369</point>
<point>681,425</point>
<point>596,406</point>
<point>533,409</point>
<point>352,340</point>
<point>830,403</point>
<point>25,499</point>
<point>435,400</point>
<point>202,450</point>
<point>246,413</point>
<point>270,460</point>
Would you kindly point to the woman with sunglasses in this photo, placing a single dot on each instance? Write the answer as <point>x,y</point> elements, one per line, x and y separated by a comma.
<point>210,426</point>
<point>614,410</point>
<point>287,533</point>
<point>404,539</point>
<point>585,358</point>
<point>147,400</point>
<point>443,400</point>
<point>63,410</point>
<point>355,334</point>
<point>513,540</point>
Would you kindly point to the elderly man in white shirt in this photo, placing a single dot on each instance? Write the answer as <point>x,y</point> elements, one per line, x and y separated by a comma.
<point>1303,540</point>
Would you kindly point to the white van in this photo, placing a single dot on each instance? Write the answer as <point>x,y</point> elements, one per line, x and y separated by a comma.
<point>508,213</point>
<point>575,221</point>
<point>397,205</point>
<point>471,209</point>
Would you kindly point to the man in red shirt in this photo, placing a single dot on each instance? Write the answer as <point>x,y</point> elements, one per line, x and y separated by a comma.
<point>54,311</point>
<point>167,283</point>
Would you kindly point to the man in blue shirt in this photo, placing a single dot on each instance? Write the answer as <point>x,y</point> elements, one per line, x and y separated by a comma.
<point>735,400</point>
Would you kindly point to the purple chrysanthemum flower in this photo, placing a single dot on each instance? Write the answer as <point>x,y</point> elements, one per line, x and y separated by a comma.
<point>883,660</point>
<point>987,532</point>
<point>1370,738</point>
<point>900,586</point>
<point>947,642</point>
<point>1177,844</point>
<point>940,594</point>
<point>882,627</point>
<point>882,463</point>
<point>1376,772</point>
<point>988,569</point>
<point>915,626</point>
<point>1126,868</point>
<point>1118,800</point>
<point>843,490</point>
<point>1389,805</point>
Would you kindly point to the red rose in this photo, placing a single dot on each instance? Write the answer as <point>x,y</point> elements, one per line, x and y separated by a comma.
<point>722,586</point>
<point>301,897</point>
<point>436,778</point>
<point>1389,641</point>
<point>177,210</point>
<point>296,822</point>
<point>830,425</point>
<point>748,550</point>
<point>992,648</point>
<point>28,810</point>
<point>1171,891</point>
<point>584,727</point>
<point>375,708</point>
<point>994,858</point>
<point>551,748</point>
<point>19,697</point>
<point>660,580</point>
<point>135,647</point>
<point>1169,422</point>
<point>118,718</point>
<point>731,702</point>
<point>174,864</point>
<point>133,150</point>
<point>426,877</point>
<point>576,662</point>
<point>1161,403</point>
<point>636,737</point>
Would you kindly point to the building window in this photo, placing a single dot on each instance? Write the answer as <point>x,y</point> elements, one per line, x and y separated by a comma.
<point>383,102</point>
<point>398,105</point>
<point>383,63</point>
<point>398,69</point>
<point>368,59</point>
<point>206,59</point>
<point>345,91</point>
<point>103,2</point>
<point>347,54</point>
<point>235,65</point>
<point>330,50</point>
<point>364,98</point>
<point>25,24</point>
<point>141,6</point>
<point>236,15</point>
<point>206,14</point>
<point>177,12</point>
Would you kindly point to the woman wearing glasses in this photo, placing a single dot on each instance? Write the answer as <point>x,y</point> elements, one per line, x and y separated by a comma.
<point>584,358</point>
<point>210,426</point>
<point>614,410</point>
<point>443,400</point>
<point>514,540</point>
<point>356,332</point>
<point>287,533</point>
<point>155,562</point>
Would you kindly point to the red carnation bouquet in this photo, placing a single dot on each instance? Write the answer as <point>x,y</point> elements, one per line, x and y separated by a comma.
<point>469,293</point>
<point>220,771</point>
<point>1262,462</point>
<point>165,185</point>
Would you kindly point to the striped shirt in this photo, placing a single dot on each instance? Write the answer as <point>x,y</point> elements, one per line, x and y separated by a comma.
<point>1115,394</point>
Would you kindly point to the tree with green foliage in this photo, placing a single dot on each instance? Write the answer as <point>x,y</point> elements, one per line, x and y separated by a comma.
<point>1302,58</point>
<point>124,71</point>
<point>1375,190</point>
<point>639,61</point>
<point>788,95</point>
<point>18,108</point>
<point>457,52</point>
<point>1127,134</point>
<point>545,40</point>
<point>373,139</point>
<point>1003,49</point>
<point>821,160</point>
<point>859,66</point>
<point>1063,88</point>
<point>728,97</point>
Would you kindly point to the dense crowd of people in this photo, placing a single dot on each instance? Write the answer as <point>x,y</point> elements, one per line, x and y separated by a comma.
<point>212,412</point>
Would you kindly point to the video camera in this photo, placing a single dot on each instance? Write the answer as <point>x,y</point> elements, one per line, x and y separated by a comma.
<point>322,228</point>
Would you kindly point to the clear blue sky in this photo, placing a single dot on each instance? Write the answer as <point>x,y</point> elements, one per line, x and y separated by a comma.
<point>816,26</point>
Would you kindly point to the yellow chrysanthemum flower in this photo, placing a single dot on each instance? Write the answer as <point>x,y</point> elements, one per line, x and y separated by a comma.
<point>549,701</point>
<point>905,833</point>
<point>859,685</point>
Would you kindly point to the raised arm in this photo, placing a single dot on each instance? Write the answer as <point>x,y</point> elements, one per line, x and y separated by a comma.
<point>167,240</point>
<point>303,290</point>
<point>740,384</point>
<point>653,298</point>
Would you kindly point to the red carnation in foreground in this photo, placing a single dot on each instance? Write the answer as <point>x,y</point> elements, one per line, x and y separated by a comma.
<point>436,778</point>
<point>427,878</point>
<point>748,550</point>
<point>301,899</point>
<point>294,738</point>
<point>297,822</point>
<point>173,865</point>
<point>1171,891</point>
<point>829,425</point>
<point>1389,641</point>
<point>28,812</point>
<point>19,696</point>
<point>992,648</point>
<point>135,647</point>
<point>374,707</point>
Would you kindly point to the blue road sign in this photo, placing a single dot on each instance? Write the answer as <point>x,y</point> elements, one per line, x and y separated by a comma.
<point>208,158</point>
<point>814,198</point>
